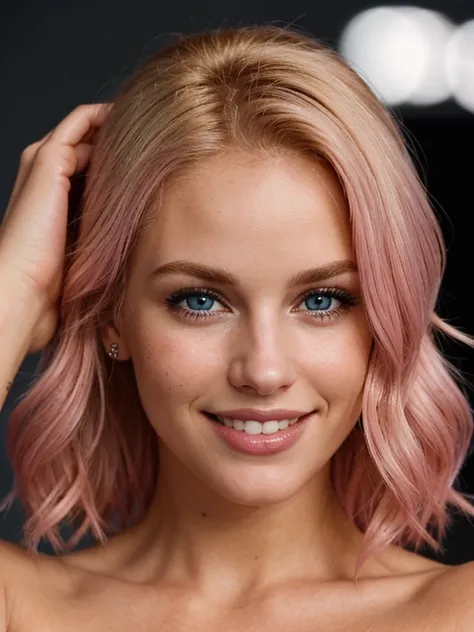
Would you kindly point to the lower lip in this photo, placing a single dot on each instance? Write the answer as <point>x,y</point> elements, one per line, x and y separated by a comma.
<point>261,444</point>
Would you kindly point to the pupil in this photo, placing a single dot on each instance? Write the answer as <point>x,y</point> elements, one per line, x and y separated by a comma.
<point>198,301</point>
<point>317,299</point>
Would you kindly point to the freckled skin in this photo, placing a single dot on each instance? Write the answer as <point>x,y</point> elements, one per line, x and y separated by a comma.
<point>233,541</point>
<point>263,220</point>
<point>233,522</point>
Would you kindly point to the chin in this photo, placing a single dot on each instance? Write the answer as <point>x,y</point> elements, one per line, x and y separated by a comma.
<point>259,486</point>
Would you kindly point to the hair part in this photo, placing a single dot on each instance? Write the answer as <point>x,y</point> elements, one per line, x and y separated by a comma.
<point>81,446</point>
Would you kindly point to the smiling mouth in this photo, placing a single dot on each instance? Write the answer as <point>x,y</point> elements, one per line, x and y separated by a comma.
<point>255,427</point>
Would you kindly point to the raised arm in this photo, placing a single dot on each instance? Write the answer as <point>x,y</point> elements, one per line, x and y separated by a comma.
<point>33,237</point>
<point>18,316</point>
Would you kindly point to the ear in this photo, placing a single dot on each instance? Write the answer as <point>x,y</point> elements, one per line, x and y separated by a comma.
<point>109,335</point>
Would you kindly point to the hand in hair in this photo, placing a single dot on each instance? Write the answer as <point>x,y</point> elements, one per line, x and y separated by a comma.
<point>34,232</point>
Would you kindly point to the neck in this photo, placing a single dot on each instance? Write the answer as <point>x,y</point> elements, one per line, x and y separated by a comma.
<point>192,534</point>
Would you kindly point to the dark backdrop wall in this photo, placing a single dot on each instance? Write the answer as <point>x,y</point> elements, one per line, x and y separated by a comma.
<point>54,56</point>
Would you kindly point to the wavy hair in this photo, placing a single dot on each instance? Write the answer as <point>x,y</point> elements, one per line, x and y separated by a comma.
<point>82,449</point>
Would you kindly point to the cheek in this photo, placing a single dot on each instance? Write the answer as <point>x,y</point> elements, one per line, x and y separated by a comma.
<point>174,367</point>
<point>337,362</point>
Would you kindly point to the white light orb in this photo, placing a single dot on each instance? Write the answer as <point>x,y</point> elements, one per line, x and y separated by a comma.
<point>460,65</point>
<point>400,52</point>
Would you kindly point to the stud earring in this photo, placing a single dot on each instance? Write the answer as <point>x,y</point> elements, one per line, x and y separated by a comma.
<point>113,353</point>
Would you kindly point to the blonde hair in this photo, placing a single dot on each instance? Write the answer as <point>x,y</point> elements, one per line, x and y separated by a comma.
<point>82,448</point>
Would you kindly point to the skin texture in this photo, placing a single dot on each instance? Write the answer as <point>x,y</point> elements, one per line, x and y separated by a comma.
<point>219,513</point>
<point>233,541</point>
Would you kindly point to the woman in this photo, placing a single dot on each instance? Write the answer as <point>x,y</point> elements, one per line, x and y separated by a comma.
<point>241,397</point>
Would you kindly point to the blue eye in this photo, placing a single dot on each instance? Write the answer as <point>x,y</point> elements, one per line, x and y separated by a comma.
<point>198,303</point>
<point>316,300</point>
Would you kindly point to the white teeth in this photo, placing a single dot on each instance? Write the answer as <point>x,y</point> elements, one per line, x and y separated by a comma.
<point>269,427</point>
<point>253,427</point>
<point>256,427</point>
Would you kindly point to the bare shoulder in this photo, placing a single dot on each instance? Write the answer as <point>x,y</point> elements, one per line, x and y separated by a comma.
<point>454,590</point>
<point>15,562</point>
<point>13,557</point>
<point>24,576</point>
<point>418,593</point>
<point>444,599</point>
<point>7,564</point>
<point>15,565</point>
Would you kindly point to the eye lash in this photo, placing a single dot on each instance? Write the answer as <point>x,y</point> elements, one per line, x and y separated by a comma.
<point>346,298</point>
<point>178,296</point>
<point>336,292</point>
<point>174,299</point>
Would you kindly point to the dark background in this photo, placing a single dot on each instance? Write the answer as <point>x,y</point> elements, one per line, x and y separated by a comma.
<point>55,56</point>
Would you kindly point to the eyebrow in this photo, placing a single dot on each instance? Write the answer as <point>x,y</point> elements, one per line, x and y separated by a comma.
<point>217,275</point>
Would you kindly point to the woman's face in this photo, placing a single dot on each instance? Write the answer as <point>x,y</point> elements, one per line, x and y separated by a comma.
<point>203,344</point>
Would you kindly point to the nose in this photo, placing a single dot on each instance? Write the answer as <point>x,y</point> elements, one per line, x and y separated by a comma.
<point>261,361</point>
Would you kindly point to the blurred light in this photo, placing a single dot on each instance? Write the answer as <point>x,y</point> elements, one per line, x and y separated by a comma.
<point>384,46</point>
<point>435,32</point>
<point>401,53</point>
<point>460,65</point>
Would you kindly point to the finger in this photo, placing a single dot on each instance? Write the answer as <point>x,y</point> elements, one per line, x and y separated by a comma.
<point>90,117</point>
<point>83,151</point>
<point>79,122</point>
<point>26,162</point>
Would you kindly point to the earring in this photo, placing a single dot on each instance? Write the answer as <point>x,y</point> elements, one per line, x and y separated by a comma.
<point>113,353</point>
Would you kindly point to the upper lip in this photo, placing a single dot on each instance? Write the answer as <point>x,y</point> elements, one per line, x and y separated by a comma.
<point>252,414</point>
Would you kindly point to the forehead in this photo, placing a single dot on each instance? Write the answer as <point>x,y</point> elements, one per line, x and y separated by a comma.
<point>254,207</point>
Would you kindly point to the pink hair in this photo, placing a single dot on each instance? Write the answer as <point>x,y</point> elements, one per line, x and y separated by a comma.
<point>81,446</point>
